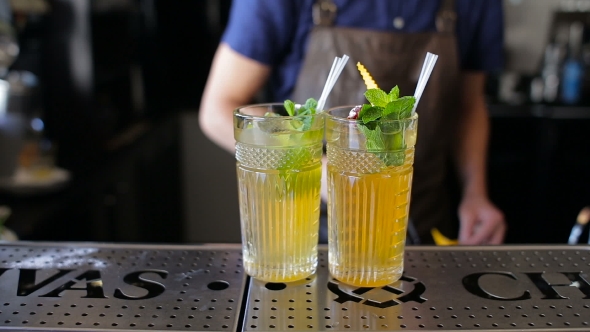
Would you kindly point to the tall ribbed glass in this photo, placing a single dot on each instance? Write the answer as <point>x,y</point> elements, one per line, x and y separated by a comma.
<point>279,171</point>
<point>368,200</point>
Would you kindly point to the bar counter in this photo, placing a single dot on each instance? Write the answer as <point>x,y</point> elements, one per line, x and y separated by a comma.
<point>99,287</point>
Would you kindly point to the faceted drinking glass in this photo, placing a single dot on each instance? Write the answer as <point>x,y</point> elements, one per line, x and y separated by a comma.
<point>368,198</point>
<point>279,170</point>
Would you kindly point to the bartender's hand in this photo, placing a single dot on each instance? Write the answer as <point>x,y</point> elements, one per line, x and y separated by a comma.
<point>481,222</point>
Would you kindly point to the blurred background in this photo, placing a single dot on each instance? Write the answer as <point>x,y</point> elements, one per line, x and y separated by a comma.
<point>99,137</point>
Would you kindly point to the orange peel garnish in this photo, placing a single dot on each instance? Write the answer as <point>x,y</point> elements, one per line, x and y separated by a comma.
<point>369,81</point>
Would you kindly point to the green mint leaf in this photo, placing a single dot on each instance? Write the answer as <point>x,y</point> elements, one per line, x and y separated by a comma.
<point>309,108</point>
<point>371,125</point>
<point>363,110</point>
<point>377,97</point>
<point>393,94</point>
<point>374,141</point>
<point>406,112</point>
<point>311,105</point>
<point>399,109</point>
<point>371,114</point>
<point>393,158</point>
<point>301,126</point>
<point>289,107</point>
<point>385,138</point>
<point>307,123</point>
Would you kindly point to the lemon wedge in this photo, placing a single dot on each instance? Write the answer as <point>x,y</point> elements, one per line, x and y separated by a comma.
<point>441,240</point>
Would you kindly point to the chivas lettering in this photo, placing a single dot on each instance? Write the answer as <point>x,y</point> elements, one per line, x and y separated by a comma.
<point>550,290</point>
<point>27,284</point>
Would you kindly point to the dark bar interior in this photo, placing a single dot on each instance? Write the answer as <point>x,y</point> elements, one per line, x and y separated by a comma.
<point>117,86</point>
<point>100,143</point>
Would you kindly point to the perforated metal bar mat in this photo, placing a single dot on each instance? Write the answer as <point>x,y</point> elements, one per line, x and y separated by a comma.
<point>97,287</point>
<point>481,289</point>
<point>119,287</point>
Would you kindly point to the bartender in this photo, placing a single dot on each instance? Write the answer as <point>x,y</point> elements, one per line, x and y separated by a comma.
<point>286,48</point>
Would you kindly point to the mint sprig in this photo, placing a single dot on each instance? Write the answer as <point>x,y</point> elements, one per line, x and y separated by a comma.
<point>383,136</point>
<point>302,123</point>
<point>308,108</point>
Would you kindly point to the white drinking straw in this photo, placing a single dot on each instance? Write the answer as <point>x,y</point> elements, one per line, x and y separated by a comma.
<point>335,71</point>
<point>427,68</point>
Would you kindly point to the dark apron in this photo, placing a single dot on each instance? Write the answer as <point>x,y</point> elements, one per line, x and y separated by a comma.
<point>396,59</point>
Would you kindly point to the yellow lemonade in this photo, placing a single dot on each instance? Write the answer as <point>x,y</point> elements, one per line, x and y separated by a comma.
<point>370,169</point>
<point>368,220</point>
<point>279,172</point>
<point>280,222</point>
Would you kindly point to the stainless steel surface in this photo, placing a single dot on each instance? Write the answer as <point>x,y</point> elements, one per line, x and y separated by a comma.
<point>120,287</point>
<point>483,289</point>
<point>98,287</point>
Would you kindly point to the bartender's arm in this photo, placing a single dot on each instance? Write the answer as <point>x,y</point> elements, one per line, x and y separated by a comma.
<point>481,222</point>
<point>233,81</point>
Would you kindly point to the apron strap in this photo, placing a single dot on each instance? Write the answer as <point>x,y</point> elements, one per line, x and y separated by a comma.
<point>324,12</point>
<point>446,17</point>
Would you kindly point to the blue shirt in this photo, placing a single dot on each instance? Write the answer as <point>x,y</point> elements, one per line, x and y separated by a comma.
<point>275,32</point>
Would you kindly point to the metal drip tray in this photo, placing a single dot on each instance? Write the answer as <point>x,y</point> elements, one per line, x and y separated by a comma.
<point>98,287</point>
<point>117,287</point>
<point>499,288</point>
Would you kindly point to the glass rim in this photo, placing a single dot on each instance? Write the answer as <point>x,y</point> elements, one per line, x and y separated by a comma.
<point>241,115</point>
<point>339,119</point>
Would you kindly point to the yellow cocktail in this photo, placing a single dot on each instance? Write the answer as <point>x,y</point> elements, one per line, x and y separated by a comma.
<point>369,190</point>
<point>279,170</point>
